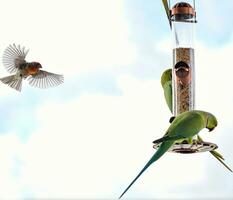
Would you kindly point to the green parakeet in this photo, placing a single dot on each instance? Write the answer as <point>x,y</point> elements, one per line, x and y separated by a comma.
<point>185,125</point>
<point>166,82</point>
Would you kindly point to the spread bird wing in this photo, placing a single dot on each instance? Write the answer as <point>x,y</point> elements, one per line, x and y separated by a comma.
<point>186,125</point>
<point>13,57</point>
<point>44,79</point>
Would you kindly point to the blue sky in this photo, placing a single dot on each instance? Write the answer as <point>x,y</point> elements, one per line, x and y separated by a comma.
<point>90,136</point>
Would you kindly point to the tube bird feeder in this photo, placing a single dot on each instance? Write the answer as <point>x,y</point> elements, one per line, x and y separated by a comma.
<point>183,19</point>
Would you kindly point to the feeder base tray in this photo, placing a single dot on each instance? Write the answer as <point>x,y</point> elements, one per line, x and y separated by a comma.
<point>195,147</point>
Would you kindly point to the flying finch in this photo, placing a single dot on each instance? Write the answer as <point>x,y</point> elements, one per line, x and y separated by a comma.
<point>15,63</point>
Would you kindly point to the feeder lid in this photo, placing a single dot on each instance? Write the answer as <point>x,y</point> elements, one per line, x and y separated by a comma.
<point>183,8</point>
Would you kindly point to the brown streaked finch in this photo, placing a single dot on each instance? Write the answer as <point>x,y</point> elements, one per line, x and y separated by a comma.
<point>14,61</point>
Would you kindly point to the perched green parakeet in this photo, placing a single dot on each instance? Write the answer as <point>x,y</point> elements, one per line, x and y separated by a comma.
<point>185,125</point>
<point>166,82</point>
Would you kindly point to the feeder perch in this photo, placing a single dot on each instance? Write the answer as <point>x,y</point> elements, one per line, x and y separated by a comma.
<point>183,19</point>
<point>195,147</point>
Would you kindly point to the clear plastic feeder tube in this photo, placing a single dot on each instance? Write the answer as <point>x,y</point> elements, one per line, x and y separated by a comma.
<point>183,22</point>
<point>183,19</point>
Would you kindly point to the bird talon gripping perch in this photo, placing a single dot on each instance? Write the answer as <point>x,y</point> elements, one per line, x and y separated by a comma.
<point>15,63</point>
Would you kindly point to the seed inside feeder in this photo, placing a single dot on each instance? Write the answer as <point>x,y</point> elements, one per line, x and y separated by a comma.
<point>183,79</point>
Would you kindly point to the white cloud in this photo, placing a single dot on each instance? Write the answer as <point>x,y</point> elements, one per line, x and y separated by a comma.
<point>6,91</point>
<point>71,36</point>
<point>92,147</point>
<point>9,147</point>
<point>213,81</point>
<point>76,151</point>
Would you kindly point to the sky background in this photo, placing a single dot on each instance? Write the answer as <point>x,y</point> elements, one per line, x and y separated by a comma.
<point>89,137</point>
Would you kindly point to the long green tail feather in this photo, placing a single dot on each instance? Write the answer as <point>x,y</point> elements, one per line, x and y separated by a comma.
<point>219,159</point>
<point>217,156</point>
<point>215,153</point>
<point>162,150</point>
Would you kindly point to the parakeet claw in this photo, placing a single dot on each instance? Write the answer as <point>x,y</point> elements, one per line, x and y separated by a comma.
<point>194,143</point>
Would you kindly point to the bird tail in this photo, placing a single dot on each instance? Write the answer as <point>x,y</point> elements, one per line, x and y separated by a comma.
<point>13,81</point>
<point>162,150</point>
<point>217,155</point>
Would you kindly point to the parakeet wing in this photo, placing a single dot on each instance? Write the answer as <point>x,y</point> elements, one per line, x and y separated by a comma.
<point>186,125</point>
<point>13,57</point>
<point>218,156</point>
<point>44,79</point>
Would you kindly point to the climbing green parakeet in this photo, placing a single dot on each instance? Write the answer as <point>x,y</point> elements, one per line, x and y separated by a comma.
<point>166,82</point>
<point>185,125</point>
